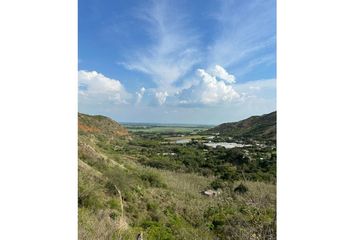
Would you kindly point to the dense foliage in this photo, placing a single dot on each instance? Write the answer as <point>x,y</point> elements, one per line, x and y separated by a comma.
<point>256,127</point>
<point>251,163</point>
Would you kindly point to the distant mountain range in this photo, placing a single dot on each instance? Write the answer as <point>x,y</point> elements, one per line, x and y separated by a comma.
<point>256,127</point>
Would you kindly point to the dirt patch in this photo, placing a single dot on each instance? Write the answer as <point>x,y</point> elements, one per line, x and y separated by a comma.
<point>89,129</point>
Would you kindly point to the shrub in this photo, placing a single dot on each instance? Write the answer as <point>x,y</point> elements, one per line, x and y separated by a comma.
<point>229,173</point>
<point>113,215</point>
<point>91,200</point>
<point>156,230</point>
<point>123,179</point>
<point>111,188</point>
<point>217,183</point>
<point>152,180</point>
<point>90,194</point>
<point>241,188</point>
<point>114,204</point>
<point>151,206</point>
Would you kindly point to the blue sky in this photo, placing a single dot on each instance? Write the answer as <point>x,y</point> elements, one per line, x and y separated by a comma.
<point>177,61</point>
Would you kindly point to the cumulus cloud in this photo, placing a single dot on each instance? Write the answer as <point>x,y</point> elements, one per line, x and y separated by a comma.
<point>221,73</point>
<point>209,90</point>
<point>95,88</point>
<point>214,91</point>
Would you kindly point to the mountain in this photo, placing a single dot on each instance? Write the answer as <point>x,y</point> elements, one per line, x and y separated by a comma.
<point>100,125</point>
<point>256,127</point>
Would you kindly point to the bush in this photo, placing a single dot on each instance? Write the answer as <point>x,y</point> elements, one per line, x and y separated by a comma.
<point>111,188</point>
<point>90,194</point>
<point>217,183</point>
<point>241,188</point>
<point>229,173</point>
<point>123,179</point>
<point>156,230</point>
<point>90,200</point>
<point>163,163</point>
<point>113,215</point>
<point>114,204</point>
<point>152,180</point>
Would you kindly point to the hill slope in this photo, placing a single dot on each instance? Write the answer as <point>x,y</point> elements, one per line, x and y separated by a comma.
<point>131,184</point>
<point>100,125</point>
<point>257,127</point>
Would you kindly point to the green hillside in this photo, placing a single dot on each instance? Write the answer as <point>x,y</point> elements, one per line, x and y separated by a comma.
<point>100,125</point>
<point>132,184</point>
<point>256,127</point>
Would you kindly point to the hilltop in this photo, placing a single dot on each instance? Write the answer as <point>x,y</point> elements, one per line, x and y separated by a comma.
<point>100,125</point>
<point>257,127</point>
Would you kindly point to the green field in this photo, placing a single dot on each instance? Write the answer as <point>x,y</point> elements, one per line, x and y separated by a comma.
<point>161,128</point>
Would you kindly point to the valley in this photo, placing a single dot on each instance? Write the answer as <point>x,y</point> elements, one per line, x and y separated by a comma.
<point>152,179</point>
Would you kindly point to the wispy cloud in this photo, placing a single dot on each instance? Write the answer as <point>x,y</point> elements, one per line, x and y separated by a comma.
<point>140,95</point>
<point>174,49</point>
<point>261,89</point>
<point>161,96</point>
<point>246,28</point>
<point>267,60</point>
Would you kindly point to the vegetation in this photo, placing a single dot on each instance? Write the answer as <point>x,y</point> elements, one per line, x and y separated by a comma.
<point>145,182</point>
<point>256,127</point>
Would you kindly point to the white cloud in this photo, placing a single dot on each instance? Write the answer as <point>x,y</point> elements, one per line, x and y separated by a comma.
<point>208,91</point>
<point>174,49</point>
<point>265,60</point>
<point>246,29</point>
<point>221,73</point>
<point>214,91</point>
<point>140,95</point>
<point>161,97</point>
<point>257,85</point>
<point>150,97</point>
<point>95,88</point>
<point>259,89</point>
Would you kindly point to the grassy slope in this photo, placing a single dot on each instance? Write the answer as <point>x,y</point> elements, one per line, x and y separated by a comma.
<point>262,127</point>
<point>100,125</point>
<point>162,204</point>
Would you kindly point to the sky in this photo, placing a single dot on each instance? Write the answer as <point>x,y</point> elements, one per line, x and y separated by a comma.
<point>181,61</point>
